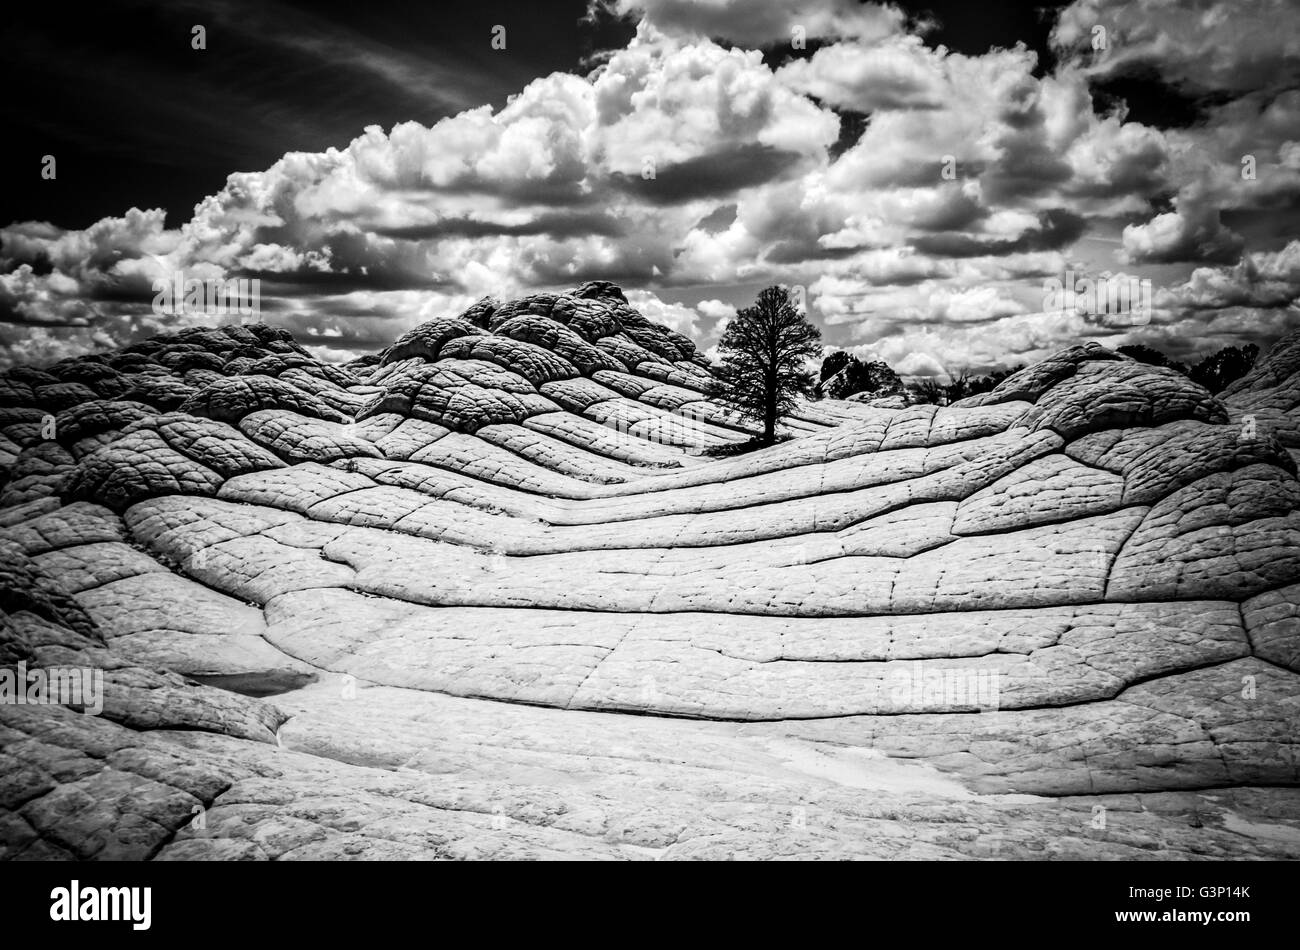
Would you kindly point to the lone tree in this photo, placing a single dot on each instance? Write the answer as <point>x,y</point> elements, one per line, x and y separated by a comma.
<point>765,352</point>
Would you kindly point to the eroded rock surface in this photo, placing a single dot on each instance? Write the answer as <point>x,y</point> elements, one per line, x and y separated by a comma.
<point>486,594</point>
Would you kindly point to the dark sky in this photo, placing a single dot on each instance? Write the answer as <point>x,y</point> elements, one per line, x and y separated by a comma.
<point>135,117</point>
<point>974,27</point>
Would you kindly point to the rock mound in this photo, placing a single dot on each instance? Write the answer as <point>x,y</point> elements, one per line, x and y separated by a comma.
<point>432,583</point>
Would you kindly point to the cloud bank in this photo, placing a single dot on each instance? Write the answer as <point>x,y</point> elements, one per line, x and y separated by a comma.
<point>689,161</point>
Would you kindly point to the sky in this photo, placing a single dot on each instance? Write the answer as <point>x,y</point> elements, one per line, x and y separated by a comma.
<point>921,172</point>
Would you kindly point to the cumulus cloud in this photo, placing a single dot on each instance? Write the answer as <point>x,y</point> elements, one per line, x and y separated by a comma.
<point>1221,45</point>
<point>946,350</point>
<point>921,364</point>
<point>680,162</point>
<point>26,298</point>
<point>899,73</point>
<point>716,309</point>
<point>1265,280</point>
<point>1186,234</point>
<point>675,316</point>
<point>881,310</point>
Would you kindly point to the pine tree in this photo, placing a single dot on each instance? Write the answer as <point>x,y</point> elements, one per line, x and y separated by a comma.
<point>765,352</point>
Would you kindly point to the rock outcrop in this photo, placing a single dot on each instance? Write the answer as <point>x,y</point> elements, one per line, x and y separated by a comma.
<point>407,607</point>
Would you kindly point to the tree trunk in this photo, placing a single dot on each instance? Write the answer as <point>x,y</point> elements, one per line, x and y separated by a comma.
<point>769,413</point>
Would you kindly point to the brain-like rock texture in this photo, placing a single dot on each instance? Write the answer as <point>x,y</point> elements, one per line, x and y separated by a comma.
<point>491,593</point>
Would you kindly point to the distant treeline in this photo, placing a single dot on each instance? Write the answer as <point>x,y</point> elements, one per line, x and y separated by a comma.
<point>1215,372</point>
<point>844,375</point>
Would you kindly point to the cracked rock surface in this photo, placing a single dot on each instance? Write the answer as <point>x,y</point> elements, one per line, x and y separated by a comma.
<point>487,595</point>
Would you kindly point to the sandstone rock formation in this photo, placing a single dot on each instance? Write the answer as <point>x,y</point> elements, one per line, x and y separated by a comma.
<point>487,595</point>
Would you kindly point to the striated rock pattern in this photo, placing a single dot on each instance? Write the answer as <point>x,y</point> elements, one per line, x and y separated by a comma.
<point>406,607</point>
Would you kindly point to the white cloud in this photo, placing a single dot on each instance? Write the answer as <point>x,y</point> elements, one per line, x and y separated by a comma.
<point>899,73</point>
<point>716,309</point>
<point>675,316</point>
<point>356,243</point>
<point>1188,233</point>
<point>1265,280</point>
<point>920,364</point>
<point>1234,45</point>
